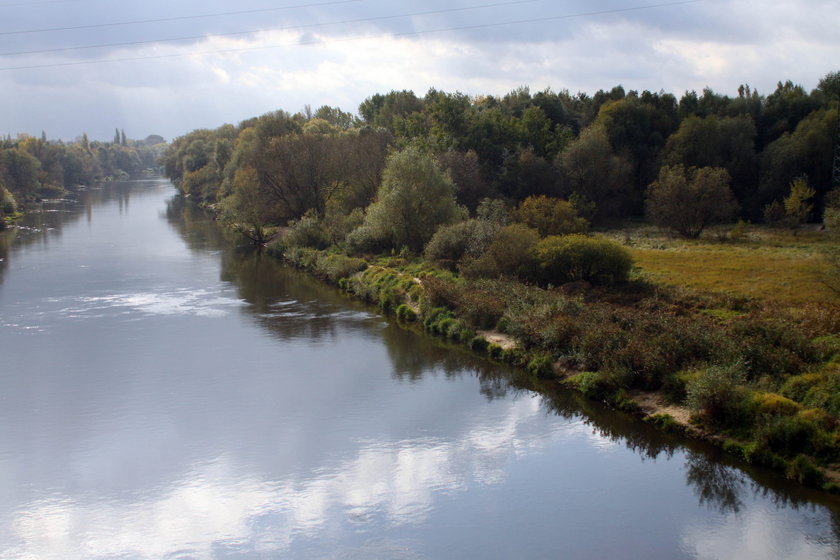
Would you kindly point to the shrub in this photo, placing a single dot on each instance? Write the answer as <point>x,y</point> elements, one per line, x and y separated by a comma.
<point>569,258</point>
<point>508,254</point>
<point>715,394</point>
<point>541,367</point>
<point>789,436</point>
<point>816,390</point>
<point>406,313</point>
<point>7,201</point>
<point>478,344</point>
<point>450,242</point>
<point>550,216</point>
<point>334,267</point>
<point>769,345</point>
<point>307,232</point>
<point>602,385</point>
<point>515,356</point>
<point>665,422</point>
<point>367,239</point>
<point>771,404</point>
<point>674,385</point>
<point>774,214</point>
<point>805,471</point>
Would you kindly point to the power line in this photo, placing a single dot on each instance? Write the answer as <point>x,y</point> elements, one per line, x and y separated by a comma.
<point>176,18</point>
<point>34,3</point>
<point>360,38</point>
<point>287,28</point>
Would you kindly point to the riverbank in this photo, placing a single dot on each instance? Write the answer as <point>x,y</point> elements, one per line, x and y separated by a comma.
<point>757,380</point>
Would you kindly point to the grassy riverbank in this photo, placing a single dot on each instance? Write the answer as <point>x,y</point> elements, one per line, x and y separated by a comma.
<point>757,374</point>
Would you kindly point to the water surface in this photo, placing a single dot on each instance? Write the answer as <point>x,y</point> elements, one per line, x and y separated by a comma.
<point>167,394</point>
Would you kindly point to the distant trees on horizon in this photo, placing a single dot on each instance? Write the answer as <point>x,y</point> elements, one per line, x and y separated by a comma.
<point>604,154</point>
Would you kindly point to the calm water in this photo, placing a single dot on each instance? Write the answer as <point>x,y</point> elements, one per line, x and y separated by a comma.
<point>164,394</point>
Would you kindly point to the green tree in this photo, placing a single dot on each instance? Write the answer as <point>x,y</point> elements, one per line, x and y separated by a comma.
<point>19,171</point>
<point>592,171</point>
<point>249,209</point>
<point>806,151</point>
<point>687,200</point>
<point>415,198</point>
<point>829,86</point>
<point>797,203</point>
<point>465,170</point>
<point>831,212</point>
<point>638,127</point>
<point>711,141</point>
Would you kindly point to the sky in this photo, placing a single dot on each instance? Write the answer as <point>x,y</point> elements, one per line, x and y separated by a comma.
<point>69,67</point>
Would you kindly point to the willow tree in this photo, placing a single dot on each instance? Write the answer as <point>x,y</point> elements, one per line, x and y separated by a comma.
<point>414,199</point>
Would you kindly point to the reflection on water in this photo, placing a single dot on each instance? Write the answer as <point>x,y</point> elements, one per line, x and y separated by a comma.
<point>182,399</point>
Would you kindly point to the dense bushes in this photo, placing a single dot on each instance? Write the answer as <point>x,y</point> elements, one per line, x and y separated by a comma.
<point>717,395</point>
<point>550,216</point>
<point>508,254</point>
<point>329,266</point>
<point>569,258</point>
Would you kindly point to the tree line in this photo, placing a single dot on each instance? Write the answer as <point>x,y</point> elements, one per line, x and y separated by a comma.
<point>32,168</point>
<point>613,155</point>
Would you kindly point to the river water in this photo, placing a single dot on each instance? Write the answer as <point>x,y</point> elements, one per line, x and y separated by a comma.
<point>166,394</point>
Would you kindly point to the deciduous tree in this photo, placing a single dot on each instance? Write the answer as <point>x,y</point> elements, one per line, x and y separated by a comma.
<point>687,200</point>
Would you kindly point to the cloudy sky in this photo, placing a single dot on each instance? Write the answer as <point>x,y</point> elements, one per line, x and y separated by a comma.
<point>168,67</point>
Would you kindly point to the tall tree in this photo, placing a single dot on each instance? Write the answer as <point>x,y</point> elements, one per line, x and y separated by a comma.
<point>686,201</point>
<point>415,198</point>
<point>591,171</point>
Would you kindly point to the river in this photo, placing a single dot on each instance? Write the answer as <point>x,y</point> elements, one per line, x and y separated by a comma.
<point>167,394</point>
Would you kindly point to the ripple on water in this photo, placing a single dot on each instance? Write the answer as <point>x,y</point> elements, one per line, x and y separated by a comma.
<point>200,303</point>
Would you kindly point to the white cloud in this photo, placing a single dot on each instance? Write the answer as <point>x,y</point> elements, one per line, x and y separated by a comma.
<point>214,504</point>
<point>718,44</point>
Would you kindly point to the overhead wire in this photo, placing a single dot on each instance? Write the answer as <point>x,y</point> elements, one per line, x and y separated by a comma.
<point>286,28</point>
<point>175,18</point>
<point>358,38</point>
<point>36,2</point>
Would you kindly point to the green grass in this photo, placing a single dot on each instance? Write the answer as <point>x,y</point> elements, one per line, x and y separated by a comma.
<point>769,265</point>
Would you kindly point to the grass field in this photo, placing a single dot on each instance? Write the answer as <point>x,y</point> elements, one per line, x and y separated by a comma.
<point>767,264</point>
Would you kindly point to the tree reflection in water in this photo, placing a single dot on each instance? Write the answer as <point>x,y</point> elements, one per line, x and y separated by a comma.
<point>716,485</point>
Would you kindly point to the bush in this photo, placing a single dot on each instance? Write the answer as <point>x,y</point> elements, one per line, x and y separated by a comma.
<point>789,436</point>
<point>479,344</point>
<point>7,201</point>
<point>816,390</point>
<point>771,404</point>
<point>367,239</point>
<point>805,471</point>
<point>601,385</point>
<point>569,258</point>
<point>307,232</point>
<point>406,313</point>
<point>541,367</point>
<point>769,345</point>
<point>453,242</point>
<point>334,267</point>
<point>715,394</point>
<point>550,216</point>
<point>508,254</point>
<point>774,214</point>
